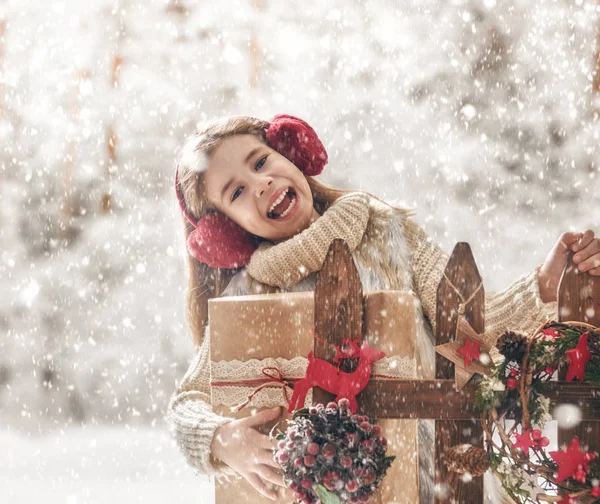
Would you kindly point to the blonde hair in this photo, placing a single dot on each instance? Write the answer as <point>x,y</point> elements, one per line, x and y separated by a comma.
<point>205,282</point>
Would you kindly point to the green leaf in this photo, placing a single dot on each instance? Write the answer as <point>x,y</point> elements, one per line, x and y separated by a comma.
<point>300,412</point>
<point>279,437</point>
<point>326,496</point>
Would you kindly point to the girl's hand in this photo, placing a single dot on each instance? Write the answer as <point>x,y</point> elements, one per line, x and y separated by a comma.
<point>587,258</point>
<point>249,452</point>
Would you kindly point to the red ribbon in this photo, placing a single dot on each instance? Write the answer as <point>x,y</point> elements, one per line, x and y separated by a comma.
<point>270,382</point>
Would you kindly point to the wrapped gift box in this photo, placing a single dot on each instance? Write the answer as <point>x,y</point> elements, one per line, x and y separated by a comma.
<point>250,333</point>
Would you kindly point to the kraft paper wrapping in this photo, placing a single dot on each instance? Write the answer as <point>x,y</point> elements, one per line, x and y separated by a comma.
<point>278,327</point>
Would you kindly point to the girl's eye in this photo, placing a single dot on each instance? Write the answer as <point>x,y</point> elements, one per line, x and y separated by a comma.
<point>239,190</point>
<point>236,193</point>
<point>264,158</point>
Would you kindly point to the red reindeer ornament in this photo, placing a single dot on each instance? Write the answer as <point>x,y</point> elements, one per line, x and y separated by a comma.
<point>325,375</point>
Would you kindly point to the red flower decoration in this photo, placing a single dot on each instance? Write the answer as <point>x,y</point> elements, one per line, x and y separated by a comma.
<point>470,351</point>
<point>524,441</point>
<point>569,461</point>
<point>550,334</point>
<point>578,359</point>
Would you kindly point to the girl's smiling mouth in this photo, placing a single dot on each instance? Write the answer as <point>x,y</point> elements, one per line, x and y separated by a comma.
<point>284,206</point>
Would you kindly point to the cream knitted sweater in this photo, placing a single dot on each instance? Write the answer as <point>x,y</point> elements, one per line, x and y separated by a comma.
<point>391,252</point>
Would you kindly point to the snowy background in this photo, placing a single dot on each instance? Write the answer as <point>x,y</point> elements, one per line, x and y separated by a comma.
<point>477,113</point>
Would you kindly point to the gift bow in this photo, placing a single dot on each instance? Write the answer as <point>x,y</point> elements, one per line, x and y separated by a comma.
<point>270,380</point>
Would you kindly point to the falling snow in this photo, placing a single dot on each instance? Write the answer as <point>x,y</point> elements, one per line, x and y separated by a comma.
<point>478,114</point>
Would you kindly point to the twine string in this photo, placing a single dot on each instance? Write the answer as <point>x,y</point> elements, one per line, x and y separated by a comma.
<point>464,302</point>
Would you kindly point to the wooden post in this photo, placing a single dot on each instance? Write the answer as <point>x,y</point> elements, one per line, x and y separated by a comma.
<point>338,309</point>
<point>579,300</point>
<point>462,272</point>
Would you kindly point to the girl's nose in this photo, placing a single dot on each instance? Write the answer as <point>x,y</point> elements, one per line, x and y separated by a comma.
<point>263,186</point>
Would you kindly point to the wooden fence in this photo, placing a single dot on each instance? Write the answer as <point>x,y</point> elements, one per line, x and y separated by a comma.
<point>339,314</point>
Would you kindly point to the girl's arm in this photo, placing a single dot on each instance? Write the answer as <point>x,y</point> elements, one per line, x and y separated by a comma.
<point>519,307</point>
<point>191,420</point>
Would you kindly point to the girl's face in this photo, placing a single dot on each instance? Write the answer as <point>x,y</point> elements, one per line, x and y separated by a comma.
<point>258,188</point>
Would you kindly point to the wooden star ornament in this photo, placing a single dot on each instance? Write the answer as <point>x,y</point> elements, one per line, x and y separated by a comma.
<point>465,351</point>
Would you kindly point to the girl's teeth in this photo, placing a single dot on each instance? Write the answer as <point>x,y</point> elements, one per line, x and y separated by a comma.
<point>288,209</point>
<point>278,200</point>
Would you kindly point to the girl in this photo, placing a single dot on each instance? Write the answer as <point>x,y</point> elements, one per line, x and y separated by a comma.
<point>257,221</point>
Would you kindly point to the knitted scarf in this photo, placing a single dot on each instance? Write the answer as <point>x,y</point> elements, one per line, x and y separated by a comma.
<point>288,262</point>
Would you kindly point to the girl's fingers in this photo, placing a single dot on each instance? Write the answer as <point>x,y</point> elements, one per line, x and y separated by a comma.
<point>260,485</point>
<point>586,237</point>
<point>585,257</point>
<point>591,264</point>
<point>271,475</point>
<point>266,456</point>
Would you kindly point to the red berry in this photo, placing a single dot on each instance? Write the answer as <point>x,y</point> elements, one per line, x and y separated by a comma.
<point>309,460</point>
<point>365,426</point>
<point>345,461</point>
<point>290,445</point>
<point>367,445</point>
<point>544,442</point>
<point>352,437</point>
<point>332,405</point>
<point>281,444</point>
<point>514,372</point>
<point>293,486</point>
<point>364,498</point>
<point>344,403</point>
<point>369,477</point>
<point>320,407</point>
<point>549,370</point>
<point>299,494</point>
<point>331,475</point>
<point>282,456</point>
<point>536,434</point>
<point>511,383</point>
<point>329,484</point>
<point>312,411</point>
<point>306,483</point>
<point>328,451</point>
<point>313,448</point>
<point>298,462</point>
<point>351,486</point>
<point>383,441</point>
<point>376,430</point>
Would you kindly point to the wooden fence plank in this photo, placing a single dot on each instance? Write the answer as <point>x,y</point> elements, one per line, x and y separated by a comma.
<point>439,399</point>
<point>579,299</point>
<point>462,272</point>
<point>338,309</point>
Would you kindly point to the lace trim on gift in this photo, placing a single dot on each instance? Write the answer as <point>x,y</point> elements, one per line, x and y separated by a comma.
<point>394,367</point>
<point>225,376</point>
